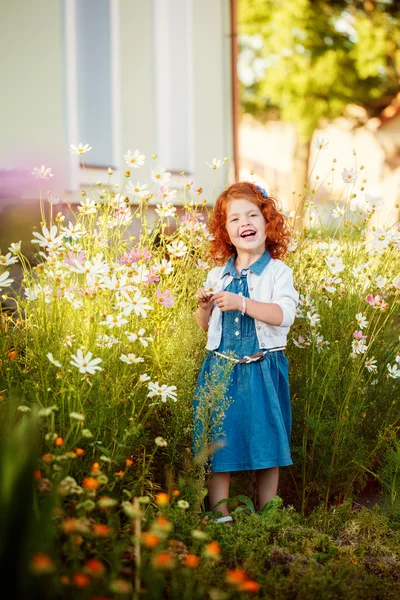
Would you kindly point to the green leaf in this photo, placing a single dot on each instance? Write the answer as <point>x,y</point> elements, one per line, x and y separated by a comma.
<point>272,506</point>
<point>248,502</point>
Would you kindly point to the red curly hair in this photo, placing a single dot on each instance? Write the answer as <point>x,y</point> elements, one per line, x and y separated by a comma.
<point>277,229</point>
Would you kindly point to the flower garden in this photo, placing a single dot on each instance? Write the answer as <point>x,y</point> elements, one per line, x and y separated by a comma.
<point>99,354</point>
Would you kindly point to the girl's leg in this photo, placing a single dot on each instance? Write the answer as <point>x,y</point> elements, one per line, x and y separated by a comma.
<point>267,485</point>
<point>218,488</point>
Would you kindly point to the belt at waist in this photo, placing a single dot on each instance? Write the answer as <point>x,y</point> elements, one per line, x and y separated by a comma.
<point>257,357</point>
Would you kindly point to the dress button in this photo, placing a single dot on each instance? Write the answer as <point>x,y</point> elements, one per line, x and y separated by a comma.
<point>251,289</point>
<point>240,282</point>
<point>240,294</point>
<point>236,319</point>
<point>244,272</point>
<point>262,345</point>
<point>258,326</point>
<point>237,332</point>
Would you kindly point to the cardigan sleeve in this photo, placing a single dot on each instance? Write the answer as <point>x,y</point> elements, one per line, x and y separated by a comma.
<point>285,295</point>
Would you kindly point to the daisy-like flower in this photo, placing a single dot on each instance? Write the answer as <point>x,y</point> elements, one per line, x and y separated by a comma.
<point>382,238</point>
<point>177,248</point>
<point>143,378</point>
<point>349,175</point>
<point>53,360</point>
<point>137,304</point>
<point>15,247</point>
<point>160,176</point>
<point>393,371</point>
<point>8,259</point>
<point>320,343</point>
<point>216,163</point>
<point>338,212</point>
<point>335,264</point>
<point>68,340</point>
<point>42,173</point>
<point>361,320</point>
<point>370,364</point>
<point>4,280</point>
<point>140,190</point>
<point>106,341</point>
<point>330,284</point>
<point>359,346</point>
<point>320,143</point>
<point>164,391</point>
<point>131,359</point>
<point>301,342</point>
<point>183,504</point>
<point>165,298</point>
<point>134,160</point>
<point>358,335</point>
<point>373,201</point>
<point>313,319</point>
<point>74,231</point>
<point>202,265</point>
<point>81,149</point>
<point>85,363</point>
<point>88,207</point>
<point>166,209</point>
<point>48,238</point>
<point>292,246</point>
<point>132,337</point>
<point>212,287</point>
<point>114,321</point>
<point>164,267</point>
<point>380,281</point>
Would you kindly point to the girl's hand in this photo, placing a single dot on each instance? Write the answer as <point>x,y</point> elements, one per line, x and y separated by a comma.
<point>227,301</point>
<point>204,299</point>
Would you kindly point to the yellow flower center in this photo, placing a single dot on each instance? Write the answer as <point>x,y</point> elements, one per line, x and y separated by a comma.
<point>84,364</point>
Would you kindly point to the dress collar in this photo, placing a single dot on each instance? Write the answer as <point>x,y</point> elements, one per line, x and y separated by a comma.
<point>257,267</point>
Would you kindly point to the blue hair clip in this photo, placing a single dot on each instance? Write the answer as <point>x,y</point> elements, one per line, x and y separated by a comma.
<point>264,193</point>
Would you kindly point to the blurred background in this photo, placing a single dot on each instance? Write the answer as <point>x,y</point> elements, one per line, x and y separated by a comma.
<point>256,81</point>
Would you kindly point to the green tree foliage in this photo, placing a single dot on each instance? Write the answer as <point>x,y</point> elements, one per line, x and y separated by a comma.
<point>311,58</point>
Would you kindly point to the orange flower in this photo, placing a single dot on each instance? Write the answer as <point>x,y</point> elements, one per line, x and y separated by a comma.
<point>70,525</point>
<point>163,560</point>
<point>79,452</point>
<point>95,567</point>
<point>95,467</point>
<point>129,462</point>
<point>176,493</point>
<point>161,524</point>
<point>150,540</point>
<point>191,561</point>
<point>37,474</point>
<point>101,530</point>
<point>162,499</point>
<point>249,586</point>
<point>212,550</point>
<point>80,580</point>
<point>90,483</point>
<point>12,355</point>
<point>59,441</point>
<point>64,579</point>
<point>41,563</point>
<point>120,473</point>
<point>235,576</point>
<point>47,457</point>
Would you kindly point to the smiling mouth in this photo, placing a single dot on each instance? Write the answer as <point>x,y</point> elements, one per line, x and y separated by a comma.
<point>247,234</point>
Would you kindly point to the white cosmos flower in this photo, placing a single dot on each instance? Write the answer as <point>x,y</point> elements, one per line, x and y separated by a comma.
<point>202,265</point>
<point>166,209</point>
<point>382,238</point>
<point>81,149</point>
<point>138,274</point>
<point>177,248</point>
<point>8,259</point>
<point>4,280</point>
<point>380,281</point>
<point>15,247</point>
<point>164,267</point>
<point>139,190</point>
<point>301,342</point>
<point>88,207</point>
<point>314,319</point>
<point>137,304</point>
<point>131,359</point>
<point>160,176</point>
<point>95,266</point>
<point>349,175</point>
<point>320,343</point>
<point>370,364</point>
<point>42,173</point>
<point>53,360</point>
<point>115,283</point>
<point>321,143</point>
<point>330,284</point>
<point>216,163</point>
<point>74,231</point>
<point>338,212</point>
<point>292,245</point>
<point>212,287</point>
<point>68,340</point>
<point>164,391</point>
<point>132,337</point>
<point>134,160</point>
<point>359,346</point>
<point>393,371</point>
<point>373,200</point>
<point>335,264</point>
<point>143,378</point>
<point>85,363</point>
<point>361,320</point>
<point>48,238</point>
<point>114,321</point>
<point>106,341</point>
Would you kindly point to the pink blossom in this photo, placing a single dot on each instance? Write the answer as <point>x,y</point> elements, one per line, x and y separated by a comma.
<point>152,277</point>
<point>370,299</point>
<point>359,335</point>
<point>71,258</point>
<point>165,298</point>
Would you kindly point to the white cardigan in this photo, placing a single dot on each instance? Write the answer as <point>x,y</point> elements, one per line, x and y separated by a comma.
<point>275,285</point>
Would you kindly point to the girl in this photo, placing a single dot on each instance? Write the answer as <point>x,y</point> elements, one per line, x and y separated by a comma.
<point>249,317</point>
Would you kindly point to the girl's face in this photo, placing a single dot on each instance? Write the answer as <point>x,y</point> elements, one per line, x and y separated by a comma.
<point>246,225</point>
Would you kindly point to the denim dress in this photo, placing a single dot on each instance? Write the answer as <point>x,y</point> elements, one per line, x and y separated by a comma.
<point>256,428</point>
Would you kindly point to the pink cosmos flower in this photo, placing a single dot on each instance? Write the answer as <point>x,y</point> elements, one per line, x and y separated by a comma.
<point>71,258</point>
<point>165,298</point>
<point>370,299</point>
<point>359,335</point>
<point>152,277</point>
